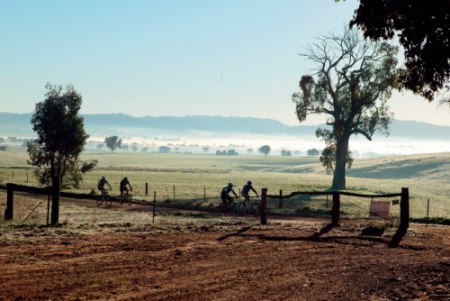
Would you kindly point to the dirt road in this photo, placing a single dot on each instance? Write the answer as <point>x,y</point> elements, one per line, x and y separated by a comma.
<point>274,262</point>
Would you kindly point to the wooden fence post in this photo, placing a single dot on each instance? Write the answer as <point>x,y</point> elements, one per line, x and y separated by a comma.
<point>48,209</point>
<point>146,188</point>
<point>280,203</point>
<point>404,219</point>
<point>55,200</point>
<point>154,206</point>
<point>335,210</point>
<point>9,202</point>
<point>404,209</point>
<point>263,206</point>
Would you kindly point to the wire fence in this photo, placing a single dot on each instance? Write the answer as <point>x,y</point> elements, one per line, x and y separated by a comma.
<point>202,196</point>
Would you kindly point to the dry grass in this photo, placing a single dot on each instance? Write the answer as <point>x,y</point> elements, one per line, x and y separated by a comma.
<point>198,176</point>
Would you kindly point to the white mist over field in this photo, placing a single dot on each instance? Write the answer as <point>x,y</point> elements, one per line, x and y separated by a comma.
<point>360,147</point>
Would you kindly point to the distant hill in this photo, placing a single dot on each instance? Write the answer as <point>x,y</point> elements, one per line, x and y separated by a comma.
<point>12,124</point>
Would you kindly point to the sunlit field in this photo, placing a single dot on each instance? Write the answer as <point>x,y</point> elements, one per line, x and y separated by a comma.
<point>195,180</point>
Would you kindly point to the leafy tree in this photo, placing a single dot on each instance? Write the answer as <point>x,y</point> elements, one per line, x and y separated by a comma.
<point>250,150</point>
<point>423,29</point>
<point>286,153</point>
<point>164,149</point>
<point>229,152</point>
<point>145,149</point>
<point>354,79</point>
<point>265,149</point>
<point>125,147</point>
<point>60,138</point>
<point>134,147</point>
<point>113,142</point>
<point>328,157</point>
<point>312,152</point>
<point>232,152</point>
<point>100,146</point>
<point>205,149</point>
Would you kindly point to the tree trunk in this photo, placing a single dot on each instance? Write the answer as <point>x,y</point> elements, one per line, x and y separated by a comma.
<point>341,157</point>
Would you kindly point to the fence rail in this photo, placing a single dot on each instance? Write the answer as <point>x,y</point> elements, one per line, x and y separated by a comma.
<point>335,210</point>
<point>54,191</point>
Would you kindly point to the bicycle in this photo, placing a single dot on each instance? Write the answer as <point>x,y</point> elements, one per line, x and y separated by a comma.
<point>104,198</point>
<point>232,207</point>
<point>126,197</point>
<point>249,207</point>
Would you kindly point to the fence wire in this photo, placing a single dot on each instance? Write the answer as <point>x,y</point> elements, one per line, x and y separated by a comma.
<point>29,208</point>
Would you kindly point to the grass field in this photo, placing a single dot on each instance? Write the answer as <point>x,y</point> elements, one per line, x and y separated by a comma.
<point>196,179</point>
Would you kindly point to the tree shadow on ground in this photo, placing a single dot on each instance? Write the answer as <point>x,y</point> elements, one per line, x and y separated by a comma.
<point>238,233</point>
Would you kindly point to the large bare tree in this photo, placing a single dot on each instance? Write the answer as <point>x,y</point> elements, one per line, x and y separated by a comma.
<point>350,84</point>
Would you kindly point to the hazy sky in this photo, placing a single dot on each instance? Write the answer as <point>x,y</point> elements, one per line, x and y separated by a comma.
<point>172,57</point>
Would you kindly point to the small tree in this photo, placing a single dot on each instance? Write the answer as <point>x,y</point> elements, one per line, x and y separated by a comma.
<point>286,153</point>
<point>312,152</point>
<point>125,147</point>
<point>164,149</point>
<point>250,150</point>
<point>232,152</point>
<point>205,149</point>
<point>113,142</point>
<point>60,138</point>
<point>265,149</point>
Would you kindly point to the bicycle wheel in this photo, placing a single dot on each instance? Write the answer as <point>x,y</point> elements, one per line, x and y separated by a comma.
<point>235,208</point>
<point>108,201</point>
<point>129,199</point>
<point>255,209</point>
<point>222,207</point>
<point>239,209</point>
<point>99,201</point>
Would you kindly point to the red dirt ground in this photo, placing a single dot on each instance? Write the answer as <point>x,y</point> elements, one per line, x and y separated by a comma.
<point>222,262</point>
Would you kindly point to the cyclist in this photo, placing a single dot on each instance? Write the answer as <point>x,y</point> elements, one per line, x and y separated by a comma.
<point>225,194</point>
<point>246,189</point>
<point>101,186</point>
<point>124,188</point>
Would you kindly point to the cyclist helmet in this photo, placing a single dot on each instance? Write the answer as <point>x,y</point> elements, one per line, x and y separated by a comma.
<point>230,185</point>
<point>249,182</point>
<point>125,179</point>
<point>103,178</point>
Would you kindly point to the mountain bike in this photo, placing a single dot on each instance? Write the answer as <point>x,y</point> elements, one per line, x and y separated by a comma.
<point>126,197</point>
<point>104,198</point>
<point>249,207</point>
<point>232,207</point>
